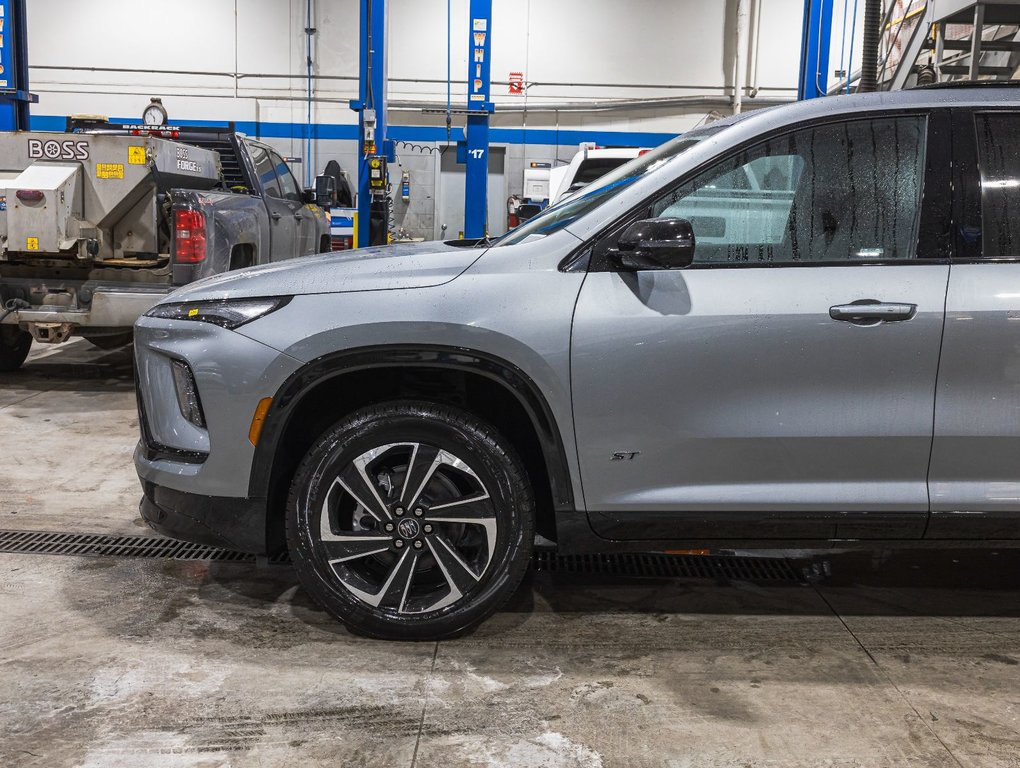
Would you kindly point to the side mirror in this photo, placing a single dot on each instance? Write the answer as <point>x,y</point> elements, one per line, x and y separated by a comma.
<point>324,192</point>
<point>655,244</point>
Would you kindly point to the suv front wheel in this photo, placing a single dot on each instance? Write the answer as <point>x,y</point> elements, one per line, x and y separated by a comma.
<point>411,520</point>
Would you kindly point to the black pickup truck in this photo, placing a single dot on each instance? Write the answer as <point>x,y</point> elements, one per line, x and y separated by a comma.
<point>97,224</point>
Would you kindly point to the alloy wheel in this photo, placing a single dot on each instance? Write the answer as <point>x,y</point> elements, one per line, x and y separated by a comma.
<point>407,528</point>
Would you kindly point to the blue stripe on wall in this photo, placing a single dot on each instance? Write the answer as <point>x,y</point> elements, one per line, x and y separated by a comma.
<point>418,133</point>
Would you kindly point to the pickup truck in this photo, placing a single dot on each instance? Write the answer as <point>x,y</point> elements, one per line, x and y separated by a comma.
<point>96,225</point>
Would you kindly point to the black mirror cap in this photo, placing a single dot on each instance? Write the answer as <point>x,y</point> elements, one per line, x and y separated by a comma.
<point>325,191</point>
<point>665,243</point>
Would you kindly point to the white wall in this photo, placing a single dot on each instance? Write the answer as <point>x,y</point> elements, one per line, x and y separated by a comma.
<point>572,50</point>
<point>244,60</point>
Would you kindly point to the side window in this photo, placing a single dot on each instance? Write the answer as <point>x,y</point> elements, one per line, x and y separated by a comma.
<point>843,192</point>
<point>264,169</point>
<point>287,182</point>
<point>999,161</point>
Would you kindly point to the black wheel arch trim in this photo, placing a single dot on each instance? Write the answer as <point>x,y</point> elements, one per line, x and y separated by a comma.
<point>334,365</point>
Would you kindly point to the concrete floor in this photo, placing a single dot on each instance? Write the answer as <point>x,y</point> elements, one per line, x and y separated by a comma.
<point>901,659</point>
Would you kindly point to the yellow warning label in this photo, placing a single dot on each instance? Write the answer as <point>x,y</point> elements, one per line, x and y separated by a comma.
<point>136,155</point>
<point>192,312</point>
<point>32,244</point>
<point>109,170</point>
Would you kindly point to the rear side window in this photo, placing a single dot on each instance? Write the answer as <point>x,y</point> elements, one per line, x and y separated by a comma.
<point>593,168</point>
<point>287,182</point>
<point>844,192</point>
<point>999,160</point>
<point>264,169</point>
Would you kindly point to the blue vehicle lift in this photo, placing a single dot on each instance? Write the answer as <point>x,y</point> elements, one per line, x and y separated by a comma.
<point>814,51</point>
<point>14,95</point>
<point>476,154</point>
<point>374,146</point>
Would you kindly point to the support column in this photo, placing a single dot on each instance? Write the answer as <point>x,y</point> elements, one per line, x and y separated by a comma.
<point>479,108</point>
<point>814,51</point>
<point>14,96</point>
<point>371,106</point>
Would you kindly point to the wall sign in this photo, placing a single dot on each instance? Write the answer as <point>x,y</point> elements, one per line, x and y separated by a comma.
<point>516,87</point>
<point>7,81</point>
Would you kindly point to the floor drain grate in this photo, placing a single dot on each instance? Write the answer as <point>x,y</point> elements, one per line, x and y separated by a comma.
<point>671,566</point>
<point>634,565</point>
<point>50,543</point>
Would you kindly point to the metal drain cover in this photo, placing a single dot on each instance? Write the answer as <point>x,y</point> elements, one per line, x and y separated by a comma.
<point>658,566</point>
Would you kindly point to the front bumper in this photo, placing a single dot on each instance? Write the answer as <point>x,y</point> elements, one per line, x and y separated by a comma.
<point>232,523</point>
<point>233,373</point>
<point>110,308</point>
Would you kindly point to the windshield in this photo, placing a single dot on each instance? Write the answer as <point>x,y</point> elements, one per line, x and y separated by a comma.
<point>569,209</point>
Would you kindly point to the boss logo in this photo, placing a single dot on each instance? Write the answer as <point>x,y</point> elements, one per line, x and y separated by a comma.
<point>57,150</point>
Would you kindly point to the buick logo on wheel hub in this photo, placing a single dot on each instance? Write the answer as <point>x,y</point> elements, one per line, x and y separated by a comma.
<point>408,528</point>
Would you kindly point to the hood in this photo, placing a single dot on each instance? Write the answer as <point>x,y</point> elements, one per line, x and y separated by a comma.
<point>401,265</point>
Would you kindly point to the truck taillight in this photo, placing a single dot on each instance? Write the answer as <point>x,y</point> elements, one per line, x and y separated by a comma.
<point>189,234</point>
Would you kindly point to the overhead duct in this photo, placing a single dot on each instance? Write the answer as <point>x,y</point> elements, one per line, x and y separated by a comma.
<point>872,35</point>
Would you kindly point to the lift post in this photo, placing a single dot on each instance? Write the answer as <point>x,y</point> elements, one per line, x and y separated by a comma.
<point>479,108</point>
<point>14,95</point>
<point>375,150</point>
<point>814,50</point>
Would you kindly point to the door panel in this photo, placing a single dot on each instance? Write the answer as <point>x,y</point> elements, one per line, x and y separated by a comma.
<point>975,466</point>
<point>743,396</point>
<point>748,396</point>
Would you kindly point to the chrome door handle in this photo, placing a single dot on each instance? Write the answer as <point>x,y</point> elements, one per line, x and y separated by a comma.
<point>871,312</point>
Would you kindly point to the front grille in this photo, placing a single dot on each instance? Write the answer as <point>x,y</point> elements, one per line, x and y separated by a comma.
<point>718,567</point>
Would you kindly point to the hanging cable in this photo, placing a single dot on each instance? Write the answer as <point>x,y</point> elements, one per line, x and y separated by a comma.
<point>309,31</point>
<point>853,37</point>
<point>842,41</point>
<point>449,101</point>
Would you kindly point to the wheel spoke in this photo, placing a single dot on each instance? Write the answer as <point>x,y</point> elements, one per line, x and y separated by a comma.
<point>458,573</point>
<point>474,511</point>
<point>420,468</point>
<point>340,548</point>
<point>359,485</point>
<point>392,582</point>
<point>475,508</point>
<point>400,581</point>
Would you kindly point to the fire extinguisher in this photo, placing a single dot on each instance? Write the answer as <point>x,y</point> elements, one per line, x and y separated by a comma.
<point>513,204</point>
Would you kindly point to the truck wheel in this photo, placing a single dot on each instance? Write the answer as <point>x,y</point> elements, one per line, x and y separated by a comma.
<point>411,521</point>
<point>14,346</point>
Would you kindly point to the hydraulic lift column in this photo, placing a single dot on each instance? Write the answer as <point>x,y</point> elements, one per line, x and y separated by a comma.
<point>479,109</point>
<point>375,149</point>
<point>14,95</point>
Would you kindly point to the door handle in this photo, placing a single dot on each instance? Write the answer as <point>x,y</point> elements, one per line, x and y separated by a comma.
<point>297,216</point>
<point>871,312</point>
<point>274,216</point>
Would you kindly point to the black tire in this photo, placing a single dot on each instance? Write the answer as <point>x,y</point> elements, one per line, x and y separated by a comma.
<point>461,569</point>
<point>14,346</point>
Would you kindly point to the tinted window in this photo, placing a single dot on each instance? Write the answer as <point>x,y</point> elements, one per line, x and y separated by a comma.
<point>287,182</point>
<point>999,158</point>
<point>564,212</point>
<point>843,192</point>
<point>264,169</point>
<point>592,168</point>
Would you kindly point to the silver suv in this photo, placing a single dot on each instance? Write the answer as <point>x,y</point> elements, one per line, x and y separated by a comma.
<point>792,328</point>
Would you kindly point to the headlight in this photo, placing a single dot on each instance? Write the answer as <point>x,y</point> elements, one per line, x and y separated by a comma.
<point>226,313</point>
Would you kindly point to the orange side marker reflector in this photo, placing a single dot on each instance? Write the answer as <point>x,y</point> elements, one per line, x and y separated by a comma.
<point>258,420</point>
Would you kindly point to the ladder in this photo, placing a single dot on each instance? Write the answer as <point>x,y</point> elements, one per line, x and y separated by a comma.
<point>947,40</point>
